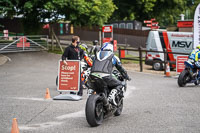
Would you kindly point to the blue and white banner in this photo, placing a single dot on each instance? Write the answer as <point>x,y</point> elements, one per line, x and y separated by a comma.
<point>196,27</point>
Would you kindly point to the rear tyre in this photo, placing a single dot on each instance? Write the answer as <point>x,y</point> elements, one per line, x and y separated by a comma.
<point>157,65</point>
<point>183,77</point>
<point>119,109</point>
<point>94,110</point>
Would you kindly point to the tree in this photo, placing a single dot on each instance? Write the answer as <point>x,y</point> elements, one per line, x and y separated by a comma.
<point>132,9</point>
<point>167,12</point>
<point>79,12</point>
<point>7,7</point>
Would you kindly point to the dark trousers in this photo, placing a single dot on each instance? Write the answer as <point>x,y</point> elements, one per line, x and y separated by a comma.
<point>112,82</point>
<point>80,92</point>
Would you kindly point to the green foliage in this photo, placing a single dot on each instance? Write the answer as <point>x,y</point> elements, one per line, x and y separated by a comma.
<point>7,7</point>
<point>132,9</point>
<point>82,12</point>
<point>166,12</point>
<point>79,12</point>
<point>96,12</point>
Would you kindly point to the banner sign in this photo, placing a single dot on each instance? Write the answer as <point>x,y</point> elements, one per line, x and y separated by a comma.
<point>69,76</point>
<point>61,29</point>
<point>147,21</point>
<point>196,27</point>
<point>107,29</point>
<point>5,32</point>
<point>46,26</point>
<point>23,42</point>
<point>108,39</point>
<point>115,45</point>
<point>150,23</point>
<point>180,59</point>
<point>184,24</point>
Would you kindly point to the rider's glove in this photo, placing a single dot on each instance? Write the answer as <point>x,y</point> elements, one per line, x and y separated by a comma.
<point>128,78</point>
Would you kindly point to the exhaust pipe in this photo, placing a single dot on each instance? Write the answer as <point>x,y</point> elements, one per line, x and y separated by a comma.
<point>105,101</point>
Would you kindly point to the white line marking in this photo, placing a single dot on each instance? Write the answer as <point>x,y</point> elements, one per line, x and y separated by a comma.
<point>34,99</point>
<point>62,117</point>
<point>8,58</point>
<point>41,125</point>
<point>72,115</point>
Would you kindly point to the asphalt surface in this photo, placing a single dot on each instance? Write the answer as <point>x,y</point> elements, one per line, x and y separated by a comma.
<point>152,104</point>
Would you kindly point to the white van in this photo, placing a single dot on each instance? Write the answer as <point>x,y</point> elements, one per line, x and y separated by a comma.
<point>181,42</point>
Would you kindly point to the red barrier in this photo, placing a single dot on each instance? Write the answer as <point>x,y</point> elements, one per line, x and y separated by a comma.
<point>122,53</point>
<point>23,42</point>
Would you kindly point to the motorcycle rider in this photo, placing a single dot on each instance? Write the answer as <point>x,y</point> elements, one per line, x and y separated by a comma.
<point>196,58</point>
<point>193,53</point>
<point>84,47</point>
<point>88,61</point>
<point>96,48</point>
<point>103,65</point>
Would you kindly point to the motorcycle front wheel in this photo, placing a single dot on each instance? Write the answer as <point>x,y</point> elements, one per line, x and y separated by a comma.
<point>119,108</point>
<point>94,110</point>
<point>183,78</point>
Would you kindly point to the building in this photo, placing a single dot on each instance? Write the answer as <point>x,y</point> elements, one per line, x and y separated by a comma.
<point>134,25</point>
<point>185,25</point>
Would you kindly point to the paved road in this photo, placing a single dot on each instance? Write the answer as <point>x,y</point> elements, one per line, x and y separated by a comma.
<point>153,103</point>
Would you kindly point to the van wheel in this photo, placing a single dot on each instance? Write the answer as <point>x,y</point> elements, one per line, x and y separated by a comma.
<point>157,65</point>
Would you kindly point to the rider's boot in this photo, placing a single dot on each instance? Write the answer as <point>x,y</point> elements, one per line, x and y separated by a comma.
<point>90,92</point>
<point>113,93</point>
<point>111,97</point>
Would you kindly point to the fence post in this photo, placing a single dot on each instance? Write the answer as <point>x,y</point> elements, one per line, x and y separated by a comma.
<point>140,56</point>
<point>100,38</point>
<point>23,42</point>
<point>52,40</point>
<point>47,39</point>
<point>119,53</point>
<point>165,60</point>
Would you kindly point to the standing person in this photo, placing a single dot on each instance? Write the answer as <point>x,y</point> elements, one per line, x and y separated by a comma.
<point>74,52</point>
<point>95,48</point>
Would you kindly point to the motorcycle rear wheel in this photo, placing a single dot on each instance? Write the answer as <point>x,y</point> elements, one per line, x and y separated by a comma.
<point>182,79</point>
<point>94,110</point>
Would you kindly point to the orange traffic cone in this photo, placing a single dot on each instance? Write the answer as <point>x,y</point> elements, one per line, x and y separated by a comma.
<point>167,70</point>
<point>15,128</point>
<point>47,96</point>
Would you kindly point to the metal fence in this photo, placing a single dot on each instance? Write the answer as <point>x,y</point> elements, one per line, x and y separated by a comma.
<point>23,43</point>
<point>133,38</point>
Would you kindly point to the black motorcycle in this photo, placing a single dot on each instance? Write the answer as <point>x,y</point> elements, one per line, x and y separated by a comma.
<point>98,106</point>
<point>189,74</point>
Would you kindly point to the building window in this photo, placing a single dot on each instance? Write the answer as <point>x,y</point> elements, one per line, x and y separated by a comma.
<point>115,25</point>
<point>129,26</point>
<point>122,25</point>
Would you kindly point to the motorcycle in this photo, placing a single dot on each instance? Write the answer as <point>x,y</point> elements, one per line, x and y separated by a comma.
<point>189,74</point>
<point>98,106</point>
<point>85,72</point>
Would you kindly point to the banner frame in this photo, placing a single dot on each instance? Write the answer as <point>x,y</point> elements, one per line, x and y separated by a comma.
<point>76,91</point>
<point>196,27</point>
